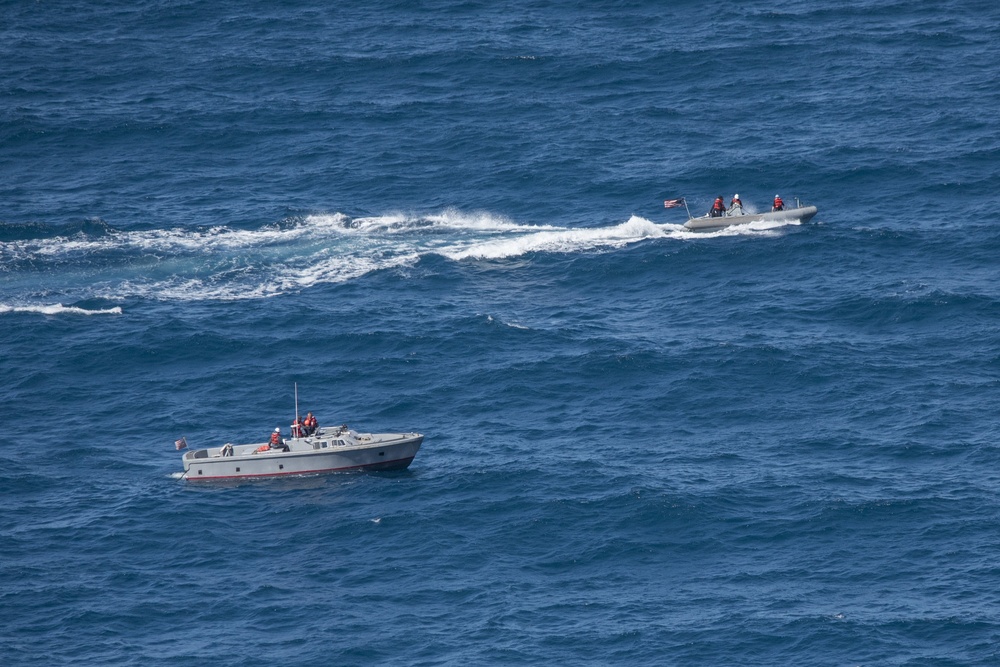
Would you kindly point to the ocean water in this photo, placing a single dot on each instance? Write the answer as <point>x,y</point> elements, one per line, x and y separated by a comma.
<point>767,445</point>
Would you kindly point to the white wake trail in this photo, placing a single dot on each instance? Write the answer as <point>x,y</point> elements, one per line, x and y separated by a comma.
<point>226,263</point>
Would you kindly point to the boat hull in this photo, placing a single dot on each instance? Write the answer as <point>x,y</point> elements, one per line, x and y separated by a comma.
<point>325,453</point>
<point>705,223</point>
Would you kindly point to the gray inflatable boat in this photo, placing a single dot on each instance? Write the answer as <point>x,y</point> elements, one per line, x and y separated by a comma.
<point>707,223</point>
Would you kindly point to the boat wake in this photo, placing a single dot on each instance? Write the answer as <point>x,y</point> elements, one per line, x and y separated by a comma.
<point>230,263</point>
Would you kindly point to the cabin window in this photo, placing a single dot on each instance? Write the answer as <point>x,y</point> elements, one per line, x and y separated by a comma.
<point>237,469</point>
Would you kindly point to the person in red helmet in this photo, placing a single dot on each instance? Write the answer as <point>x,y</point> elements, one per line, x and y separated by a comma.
<point>718,208</point>
<point>778,204</point>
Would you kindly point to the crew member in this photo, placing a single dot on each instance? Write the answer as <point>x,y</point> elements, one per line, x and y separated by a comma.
<point>718,208</point>
<point>277,442</point>
<point>778,204</point>
<point>310,425</point>
<point>736,206</point>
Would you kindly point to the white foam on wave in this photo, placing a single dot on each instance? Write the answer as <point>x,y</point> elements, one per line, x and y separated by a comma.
<point>401,223</point>
<point>561,240</point>
<point>340,224</point>
<point>512,325</point>
<point>263,281</point>
<point>336,269</point>
<point>59,309</point>
<point>758,228</point>
<point>218,238</point>
<point>189,289</point>
<point>482,221</point>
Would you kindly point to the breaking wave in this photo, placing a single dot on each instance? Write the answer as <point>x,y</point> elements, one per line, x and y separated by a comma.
<point>59,309</point>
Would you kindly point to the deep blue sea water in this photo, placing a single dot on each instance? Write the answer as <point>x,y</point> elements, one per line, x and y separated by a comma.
<point>768,445</point>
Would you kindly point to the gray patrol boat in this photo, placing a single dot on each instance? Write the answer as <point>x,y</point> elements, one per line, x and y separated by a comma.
<point>333,449</point>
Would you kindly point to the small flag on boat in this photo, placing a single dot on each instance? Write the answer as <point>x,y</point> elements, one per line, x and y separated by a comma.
<point>182,443</point>
<point>673,203</point>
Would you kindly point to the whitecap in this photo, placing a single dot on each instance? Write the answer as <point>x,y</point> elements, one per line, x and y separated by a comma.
<point>59,309</point>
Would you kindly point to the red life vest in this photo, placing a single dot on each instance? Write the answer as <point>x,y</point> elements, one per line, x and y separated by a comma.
<point>275,438</point>
<point>718,205</point>
<point>778,204</point>
<point>310,423</point>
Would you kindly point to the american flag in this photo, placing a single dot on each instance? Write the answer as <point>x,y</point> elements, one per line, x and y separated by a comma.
<point>182,443</point>
<point>673,203</point>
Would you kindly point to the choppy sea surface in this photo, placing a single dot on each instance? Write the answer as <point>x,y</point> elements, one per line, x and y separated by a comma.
<point>768,445</point>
